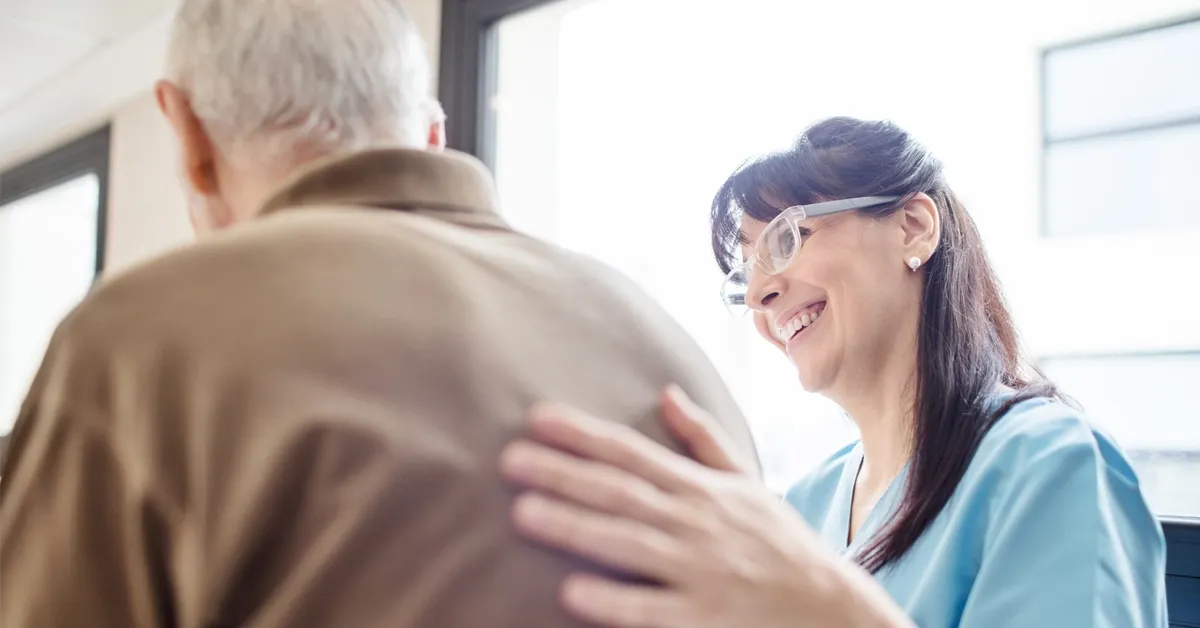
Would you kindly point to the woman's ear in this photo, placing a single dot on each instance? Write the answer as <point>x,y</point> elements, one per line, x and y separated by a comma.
<point>922,226</point>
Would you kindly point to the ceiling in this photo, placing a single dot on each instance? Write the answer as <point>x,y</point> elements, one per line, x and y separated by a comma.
<point>42,39</point>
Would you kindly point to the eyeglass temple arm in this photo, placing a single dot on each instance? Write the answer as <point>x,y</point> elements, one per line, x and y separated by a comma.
<point>833,207</point>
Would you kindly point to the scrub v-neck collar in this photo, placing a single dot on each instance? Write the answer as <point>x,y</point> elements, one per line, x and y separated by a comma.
<point>883,510</point>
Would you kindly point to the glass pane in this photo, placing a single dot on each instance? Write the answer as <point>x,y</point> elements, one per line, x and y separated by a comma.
<point>1125,82</point>
<point>47,264</point>
<point>1145,402</point>
<point>1149,183</point>
<point>584,157</point>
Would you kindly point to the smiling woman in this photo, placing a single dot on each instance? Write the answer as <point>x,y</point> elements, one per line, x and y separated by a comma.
<point>975,497</point>
<point>880,315</point>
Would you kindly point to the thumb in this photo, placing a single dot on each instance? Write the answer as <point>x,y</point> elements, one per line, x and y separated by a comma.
<point>697,429</point>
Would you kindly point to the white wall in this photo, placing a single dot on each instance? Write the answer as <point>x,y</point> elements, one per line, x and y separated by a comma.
<point>84,97</point>
<point>146,205</point>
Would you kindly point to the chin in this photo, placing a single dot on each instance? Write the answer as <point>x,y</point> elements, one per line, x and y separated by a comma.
<point>811,384</point>
<point>813,378</point>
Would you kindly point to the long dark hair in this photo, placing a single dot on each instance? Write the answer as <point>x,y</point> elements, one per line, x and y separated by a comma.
<point>967,345</point>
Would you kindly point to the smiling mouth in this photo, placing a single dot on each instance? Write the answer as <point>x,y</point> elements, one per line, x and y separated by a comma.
<point>800,322</point>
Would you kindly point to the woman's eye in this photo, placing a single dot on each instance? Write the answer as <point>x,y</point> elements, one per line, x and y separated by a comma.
<point>804,232</point>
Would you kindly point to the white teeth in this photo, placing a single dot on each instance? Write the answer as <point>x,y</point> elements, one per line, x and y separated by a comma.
<point>797,323</point>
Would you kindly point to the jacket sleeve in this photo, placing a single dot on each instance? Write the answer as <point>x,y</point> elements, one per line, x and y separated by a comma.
<point>76,532</point>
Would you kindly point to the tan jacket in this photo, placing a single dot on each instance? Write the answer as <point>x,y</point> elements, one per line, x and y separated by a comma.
<point>297,423</point>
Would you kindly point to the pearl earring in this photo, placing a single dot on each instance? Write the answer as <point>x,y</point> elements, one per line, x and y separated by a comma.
<point>914,263</point>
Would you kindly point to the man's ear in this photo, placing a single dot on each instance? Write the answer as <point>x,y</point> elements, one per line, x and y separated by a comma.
<point>437,136</point>
<point>196,150</point>
<point>922,227</point>
<point>436,139</point>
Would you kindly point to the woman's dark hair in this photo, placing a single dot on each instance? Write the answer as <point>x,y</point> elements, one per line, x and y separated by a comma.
<point>967,344</point>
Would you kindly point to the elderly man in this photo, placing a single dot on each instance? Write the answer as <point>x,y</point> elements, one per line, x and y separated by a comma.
<point>297,421</point>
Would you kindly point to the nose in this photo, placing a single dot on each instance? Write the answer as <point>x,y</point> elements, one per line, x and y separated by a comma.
<point>762,290</point>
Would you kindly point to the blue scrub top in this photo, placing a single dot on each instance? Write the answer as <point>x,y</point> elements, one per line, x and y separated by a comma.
<point>1048,527</point>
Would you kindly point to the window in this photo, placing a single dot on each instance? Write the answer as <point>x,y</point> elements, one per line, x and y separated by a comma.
<point>609,124</point>
<point>52,218</point>
<point>549,153</point>
<point>1144,402</point>
<point>1123,110</point>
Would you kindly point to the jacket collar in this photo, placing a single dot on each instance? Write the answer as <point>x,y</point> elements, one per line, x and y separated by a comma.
<point>452,185</point>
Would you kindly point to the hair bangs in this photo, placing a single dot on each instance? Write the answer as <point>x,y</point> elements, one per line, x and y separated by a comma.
<point>759,189</point>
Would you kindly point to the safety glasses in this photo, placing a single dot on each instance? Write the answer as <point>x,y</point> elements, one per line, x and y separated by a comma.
<point>780,242</point>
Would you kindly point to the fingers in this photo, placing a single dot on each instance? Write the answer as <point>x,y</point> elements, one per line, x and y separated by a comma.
<point>695,427</point>
<point>619,445</point>
<point>590,483</point>
<point>617,542</point>
<point>602,601</point>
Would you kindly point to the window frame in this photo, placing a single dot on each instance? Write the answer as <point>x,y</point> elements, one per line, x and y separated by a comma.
<point>468,69</point>
<point>88,154</point>
<point>1043,107</point>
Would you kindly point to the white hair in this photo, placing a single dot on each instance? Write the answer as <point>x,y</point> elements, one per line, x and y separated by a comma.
<point>315,75</point>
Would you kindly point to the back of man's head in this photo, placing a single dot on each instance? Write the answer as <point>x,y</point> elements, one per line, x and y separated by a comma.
<point>280,75</point>
<point>258,85</point>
